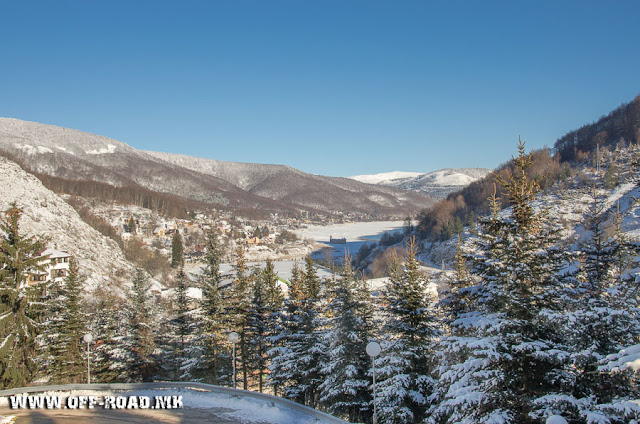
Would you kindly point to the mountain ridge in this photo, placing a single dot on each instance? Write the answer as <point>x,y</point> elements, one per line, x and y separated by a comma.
<point>74,154</point>
<point>437,184</point>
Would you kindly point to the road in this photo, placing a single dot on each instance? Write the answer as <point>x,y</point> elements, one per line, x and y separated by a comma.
<point>110,416</point>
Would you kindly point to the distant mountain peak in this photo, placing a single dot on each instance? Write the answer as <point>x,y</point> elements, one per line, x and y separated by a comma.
<point>385,177</point>
<point>436,184</point>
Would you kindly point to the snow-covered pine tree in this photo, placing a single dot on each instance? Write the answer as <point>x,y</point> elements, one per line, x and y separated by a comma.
<point>210,349</point>
<point>301,351</point>
<point>180,331</point>
<point>238,301</point>
<point>113,347</point>
<point>283,359</point>
<point>19,255</point>
<point>310,341</point>
<point>141,325</point>
<point>408,334</point>
<point>514,354</point>
<point>266,299</point>
<point>345,390</point>
<point>602,313</point>
<point>66,326</point>
<point>464,354</point>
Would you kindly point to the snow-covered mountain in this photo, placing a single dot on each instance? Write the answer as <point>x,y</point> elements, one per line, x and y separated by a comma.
<point>436,184</point>
<point>74,154</point>
<point>386,177</point>
<point>45,214</point>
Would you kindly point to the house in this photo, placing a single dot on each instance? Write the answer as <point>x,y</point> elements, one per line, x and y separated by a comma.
<point>56,267</point>
<point>253,240</point>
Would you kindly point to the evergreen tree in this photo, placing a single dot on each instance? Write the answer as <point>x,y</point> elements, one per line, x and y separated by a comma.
<point>457,226</point>
<point>132,225</point>
<point>409,330</point>
<point>180,332</point>
<point>111,330</point>
<point>211,350</point>
<point>301,351</point>
<point>513,356</point>
<point>19,255</point>
<point>141,326</point>
<point>283,361</point>
<point>472,222</point>
<point>238,309</point>
<point>66,327</point>
<point>177,250</point>
<point>603,316</point>
<point>345,390</point>
<point>266,300</point>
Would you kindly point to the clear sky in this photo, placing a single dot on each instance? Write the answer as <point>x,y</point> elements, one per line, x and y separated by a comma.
<point>333,87</point>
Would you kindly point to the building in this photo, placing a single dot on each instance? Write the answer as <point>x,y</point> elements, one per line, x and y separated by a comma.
<point>56,267</point>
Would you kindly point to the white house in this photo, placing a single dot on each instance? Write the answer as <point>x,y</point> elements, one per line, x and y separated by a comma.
<point>56,267</point>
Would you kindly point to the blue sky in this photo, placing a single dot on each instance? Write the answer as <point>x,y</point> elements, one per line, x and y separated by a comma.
<point>330,87</point>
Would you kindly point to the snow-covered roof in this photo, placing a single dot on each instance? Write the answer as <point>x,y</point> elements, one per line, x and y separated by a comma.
<point>53,254</point>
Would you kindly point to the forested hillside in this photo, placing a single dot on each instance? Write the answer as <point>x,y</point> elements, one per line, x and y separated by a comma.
<point>619,128</point>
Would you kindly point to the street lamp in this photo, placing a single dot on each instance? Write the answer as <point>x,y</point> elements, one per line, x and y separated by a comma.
<point>87,339</point>
<point>373,350</point>
<point>233,338</point>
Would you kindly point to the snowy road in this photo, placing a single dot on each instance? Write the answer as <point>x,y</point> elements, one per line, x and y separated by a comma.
<point>199,403</point>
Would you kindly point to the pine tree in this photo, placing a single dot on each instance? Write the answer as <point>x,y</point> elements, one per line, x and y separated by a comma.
<point>111,330</point>
<point>283,361</point>
<point>301,350</point>
<point>19,255</point>
<point>211,350</point>
<point>514,354</point>
<point>472,222</point>
<point>266,299</point>
<point>177,250</point>
<point>141,327</point>
<point>180,331</point>
<point>345,390</point>
<point>132,225</point>
<point>457,226</point>
<point>66,328</point>
<point>409,330</point>
<point>603,317</point>
<point>238,309</point>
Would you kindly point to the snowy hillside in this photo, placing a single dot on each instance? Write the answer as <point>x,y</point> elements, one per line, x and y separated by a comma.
<point>77,155</point>
<point>436,184</point>
<point>47,214</point>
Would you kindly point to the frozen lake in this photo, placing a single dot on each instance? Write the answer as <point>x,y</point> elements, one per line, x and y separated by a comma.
<point>356,234</point>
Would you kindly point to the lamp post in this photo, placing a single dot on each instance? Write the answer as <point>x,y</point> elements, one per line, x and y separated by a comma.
<point>233,338</point>
<point>87,339</point>
<point>373,350</point>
